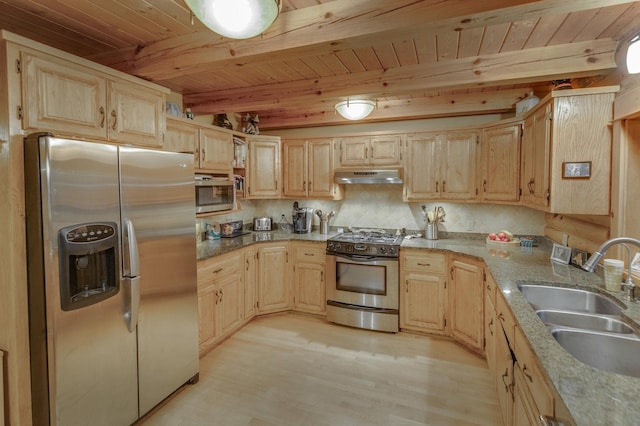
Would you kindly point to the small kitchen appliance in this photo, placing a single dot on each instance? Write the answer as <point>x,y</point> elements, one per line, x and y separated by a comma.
<point>262,223</point>
<point>302,218</point>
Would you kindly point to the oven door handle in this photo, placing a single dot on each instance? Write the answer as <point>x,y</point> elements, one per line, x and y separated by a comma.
<point>362,258</point>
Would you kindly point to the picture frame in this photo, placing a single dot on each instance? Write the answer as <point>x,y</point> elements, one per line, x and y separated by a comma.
<point>561,254</point>
<point>576,169</point>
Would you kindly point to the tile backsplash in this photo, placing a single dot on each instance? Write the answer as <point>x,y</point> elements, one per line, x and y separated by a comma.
<point>381,206</point>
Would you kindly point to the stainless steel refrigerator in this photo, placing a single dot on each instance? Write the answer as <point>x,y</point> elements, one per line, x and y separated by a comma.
<point>111,279</point>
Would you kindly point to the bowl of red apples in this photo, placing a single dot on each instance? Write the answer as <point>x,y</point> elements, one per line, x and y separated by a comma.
<point>502,238</point>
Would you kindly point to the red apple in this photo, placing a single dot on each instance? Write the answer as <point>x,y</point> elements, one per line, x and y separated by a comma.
<point>501,235</point>
<point>493,236</point>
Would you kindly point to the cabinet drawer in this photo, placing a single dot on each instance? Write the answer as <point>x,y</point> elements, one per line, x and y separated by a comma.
<point>211,270</point>
<point>432,263</point>
<point>310,253</point>
<point>533,376</point>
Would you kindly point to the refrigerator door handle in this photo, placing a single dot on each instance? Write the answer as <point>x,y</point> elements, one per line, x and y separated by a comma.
<point>131,314</point>
<point>130,259</point>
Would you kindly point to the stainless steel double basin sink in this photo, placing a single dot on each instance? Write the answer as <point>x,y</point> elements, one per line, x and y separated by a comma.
<point>588,325</point>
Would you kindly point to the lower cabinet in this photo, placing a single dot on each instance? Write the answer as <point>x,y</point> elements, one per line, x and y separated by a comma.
<point>274,294</point>
<point>220,298</point>
<point>250,279</point>
<point>309,284</point>
<point>466,307</point>
<point>423,291</point>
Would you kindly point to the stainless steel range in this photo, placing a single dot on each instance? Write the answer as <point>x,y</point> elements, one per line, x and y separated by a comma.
<point>362,279</point>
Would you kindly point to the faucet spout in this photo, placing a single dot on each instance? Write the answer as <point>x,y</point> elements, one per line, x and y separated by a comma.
<point>591,263</point>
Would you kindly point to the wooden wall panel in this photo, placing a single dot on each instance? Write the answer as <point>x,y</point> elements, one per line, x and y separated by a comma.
<point>584,232</point>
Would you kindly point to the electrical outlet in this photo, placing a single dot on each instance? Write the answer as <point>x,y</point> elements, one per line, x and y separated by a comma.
<point>470,224</point>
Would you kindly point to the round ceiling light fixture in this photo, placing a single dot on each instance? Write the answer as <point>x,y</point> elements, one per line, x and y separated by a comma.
<point>237,19</point>
<point>355,109</point>
<point>633,55</point>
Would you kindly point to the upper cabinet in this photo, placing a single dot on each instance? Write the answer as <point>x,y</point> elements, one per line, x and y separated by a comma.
<point>566,152</point>
<point>441,166</point>
<point>308,169</point>
<point>500,163</point>
<point>367,151</point>
<point>212,147</point>
<point>70,99</point>
<point>263,167</point>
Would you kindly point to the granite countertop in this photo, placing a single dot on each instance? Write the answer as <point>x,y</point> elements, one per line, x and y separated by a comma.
<point>594,397</point>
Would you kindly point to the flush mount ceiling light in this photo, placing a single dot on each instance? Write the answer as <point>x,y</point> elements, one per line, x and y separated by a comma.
<point>236,18</point>
<point>355,109</point>
<point>633,55</point>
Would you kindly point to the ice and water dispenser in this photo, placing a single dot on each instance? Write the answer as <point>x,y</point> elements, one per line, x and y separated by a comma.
<point>88,260</point>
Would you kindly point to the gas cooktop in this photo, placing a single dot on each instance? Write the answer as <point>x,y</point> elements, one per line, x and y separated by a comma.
<point>365,242</point>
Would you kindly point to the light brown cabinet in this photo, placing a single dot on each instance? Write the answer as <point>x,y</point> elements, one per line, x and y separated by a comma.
<point>466,295</point>
<point>274,294</point>
<point>70,99</point>
<point>213,148</point>
<point>309,284</point>
<point>308,169</point>
<point>263,170</point>
<point>250,281</point>
<point>361,151</point>
<point>441,165</point>
<point>500,163</point>
<point>423,291</point>
<point>566,158</point>
<point>220,298</point>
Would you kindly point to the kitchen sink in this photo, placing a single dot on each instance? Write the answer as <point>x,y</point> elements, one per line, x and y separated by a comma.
<point>568,299</point>
<point>584,321</point>
<point>610,352</point>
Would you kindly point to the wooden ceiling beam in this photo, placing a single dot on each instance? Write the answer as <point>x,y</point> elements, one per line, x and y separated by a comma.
<point>429,106</point>
<point>325,28</point>
<point>523,66</point>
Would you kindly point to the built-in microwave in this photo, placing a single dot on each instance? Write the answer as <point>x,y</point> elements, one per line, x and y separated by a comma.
<point>214,194</point>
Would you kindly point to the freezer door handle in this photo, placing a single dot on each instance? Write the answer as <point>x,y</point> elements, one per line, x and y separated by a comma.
<point>132,286</point>
<point>130,259</point>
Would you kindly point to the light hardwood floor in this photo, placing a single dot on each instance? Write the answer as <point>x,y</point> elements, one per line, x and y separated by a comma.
<point>293,369</point>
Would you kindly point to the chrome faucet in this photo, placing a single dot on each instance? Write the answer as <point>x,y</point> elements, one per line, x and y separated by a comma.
<point>591,263</point>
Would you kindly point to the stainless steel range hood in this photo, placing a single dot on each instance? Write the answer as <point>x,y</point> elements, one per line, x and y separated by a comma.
<point>368,176</point>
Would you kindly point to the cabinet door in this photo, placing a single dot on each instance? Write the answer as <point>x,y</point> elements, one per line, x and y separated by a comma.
<point>524,410</point>
<point>263,173</point>
<point>385,150</point>
<point>501,163</point>
<point>216,151</point>
<point>424,303</point>
<point>136,115</point>
<point>354,151</point>
<point>466,295</point>
<point>490,323</point>
<point>207,320</point>
<point>273,279</point>
<point>182,137</point>
<point>63,98</point>
<point>540,128</point>
<point>422,167</point>
<point>230,306</point>
<point>320,170</point>
<point>294,161</point>
<point>459,171</point>
<point>250,280</point>
<point>309,287</point>
<point>504,376</point>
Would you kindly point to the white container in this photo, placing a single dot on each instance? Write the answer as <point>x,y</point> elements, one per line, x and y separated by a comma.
<point>613,274</point>
<point>526,104</point>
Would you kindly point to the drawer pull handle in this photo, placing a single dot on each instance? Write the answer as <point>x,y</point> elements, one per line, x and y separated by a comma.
<point>309,254</point>
<point>527,375</point>
<point>424,264</point>
<point>217,270</point>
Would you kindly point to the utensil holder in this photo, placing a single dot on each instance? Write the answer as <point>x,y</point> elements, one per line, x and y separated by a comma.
<point>431,232</point>
<point>324,227</point>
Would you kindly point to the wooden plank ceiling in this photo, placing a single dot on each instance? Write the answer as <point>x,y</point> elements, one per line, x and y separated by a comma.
<point>415,58</point>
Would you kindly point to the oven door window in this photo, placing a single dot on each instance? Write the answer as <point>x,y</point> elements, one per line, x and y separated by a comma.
<point>366,279</point>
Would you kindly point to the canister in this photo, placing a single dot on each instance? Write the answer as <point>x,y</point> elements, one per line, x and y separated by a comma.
<point>431,233</point>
